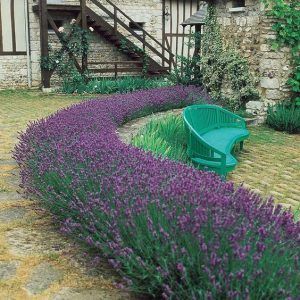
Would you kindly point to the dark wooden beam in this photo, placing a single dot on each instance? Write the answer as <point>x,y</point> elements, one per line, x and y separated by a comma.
<point>13,26</point>
<point>44,40</point>
<point>116,62</point>
<point>13,53</point>
<point>163,28</point>
<point>1,42</point>
<point>58,7</point>
<point>177,27</point>
<point>71,55</point>
<point>115,69</point>
<point>183,32</point>
<point>84,59</point>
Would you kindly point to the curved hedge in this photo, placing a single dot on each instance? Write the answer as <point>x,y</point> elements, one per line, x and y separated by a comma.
<point>170,230</point>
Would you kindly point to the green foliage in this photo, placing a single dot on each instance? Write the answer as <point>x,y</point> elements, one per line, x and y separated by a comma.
<point>224,72</point>
<point>243,113</point>
<point>187,69</point>
<point>75,43</point>
<point>164,137</point>
<point>126,47</point>
<point>186,73</point>
<point>284,117</point>
<point>287,28</point>
<point>76,84</point>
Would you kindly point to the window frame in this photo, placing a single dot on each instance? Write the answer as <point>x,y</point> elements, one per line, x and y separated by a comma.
<point>13,35</point>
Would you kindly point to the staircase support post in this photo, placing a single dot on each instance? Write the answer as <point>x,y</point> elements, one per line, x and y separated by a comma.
<point>115,20</point>
<point>84,26</point>
<point>45,74</point>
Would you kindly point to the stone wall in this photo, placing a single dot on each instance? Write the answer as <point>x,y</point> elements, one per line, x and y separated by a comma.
<point>149,12</point>
<point>13,70</point>
<point>248,29</point>
<point>35,46</point>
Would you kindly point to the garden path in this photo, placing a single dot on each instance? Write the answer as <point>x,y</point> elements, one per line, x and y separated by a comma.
<point>36,261</point>
<point>269,164</point>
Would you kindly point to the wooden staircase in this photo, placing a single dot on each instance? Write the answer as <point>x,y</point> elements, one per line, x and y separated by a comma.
<point>146,55</point>
<point>135,54</point>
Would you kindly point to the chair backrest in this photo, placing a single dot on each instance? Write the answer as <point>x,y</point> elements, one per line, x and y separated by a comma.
<point>204,118</point>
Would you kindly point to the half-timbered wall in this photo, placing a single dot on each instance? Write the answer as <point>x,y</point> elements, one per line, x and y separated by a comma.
<point>177,37</point>
<point>13,59</point>
<point>13,69</point>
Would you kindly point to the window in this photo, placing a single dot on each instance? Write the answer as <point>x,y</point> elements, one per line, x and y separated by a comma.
<point>133,25</point>
<point>135,28</point>
<point>238,3</point>
<point>12,27</point>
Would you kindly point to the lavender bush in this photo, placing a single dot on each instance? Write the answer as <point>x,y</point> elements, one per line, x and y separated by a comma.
<point>171,231</point>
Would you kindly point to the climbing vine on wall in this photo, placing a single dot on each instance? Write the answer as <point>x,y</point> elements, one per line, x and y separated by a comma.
<point>224,72</point>
<point>287,28</point>
<point>75,43</point>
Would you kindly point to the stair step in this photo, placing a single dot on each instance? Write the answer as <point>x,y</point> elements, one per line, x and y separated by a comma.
<point>112,70</point>
<point>113,39</point>
<point>121,62</point>
<point>108,35</point>
<point>106,30</point>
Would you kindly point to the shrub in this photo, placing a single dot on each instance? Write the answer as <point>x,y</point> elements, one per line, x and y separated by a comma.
<point>78,84</point>
<point>170,230</point>
<point>284,117</point>
<point>164,137</point>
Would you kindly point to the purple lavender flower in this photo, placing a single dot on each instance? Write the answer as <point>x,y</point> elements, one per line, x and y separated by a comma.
<point>154,218</point>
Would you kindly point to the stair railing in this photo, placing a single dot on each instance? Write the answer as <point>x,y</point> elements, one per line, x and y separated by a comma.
<point>141,38</point>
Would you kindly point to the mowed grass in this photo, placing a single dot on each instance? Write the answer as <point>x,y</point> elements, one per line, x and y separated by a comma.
<point>269,164</point>
<point>19,107</point>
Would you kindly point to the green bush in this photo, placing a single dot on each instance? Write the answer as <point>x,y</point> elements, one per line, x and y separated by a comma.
<point>77,84</point>
<point>164,137</point>
<point>284,117</point>
<point>225,73</point>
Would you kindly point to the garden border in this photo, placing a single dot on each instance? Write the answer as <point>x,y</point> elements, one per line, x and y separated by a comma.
<point>117,198</point>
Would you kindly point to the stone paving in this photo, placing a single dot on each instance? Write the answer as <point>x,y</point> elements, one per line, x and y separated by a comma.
<point>36,261</point>
<point>269,164</point>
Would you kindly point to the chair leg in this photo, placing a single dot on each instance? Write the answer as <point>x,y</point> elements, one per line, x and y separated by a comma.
<point>241,145</point>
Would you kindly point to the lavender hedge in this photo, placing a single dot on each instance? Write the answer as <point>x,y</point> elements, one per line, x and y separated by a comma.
<point>170,230</point>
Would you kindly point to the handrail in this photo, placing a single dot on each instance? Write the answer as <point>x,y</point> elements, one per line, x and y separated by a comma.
<point>136,36</point>
<point>113,15</point>
<point>137,25</point>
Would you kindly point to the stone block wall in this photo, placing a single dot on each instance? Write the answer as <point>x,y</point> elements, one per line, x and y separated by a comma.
<point>35,44</point>
<point>13,71</point>
<point>249,30</point>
